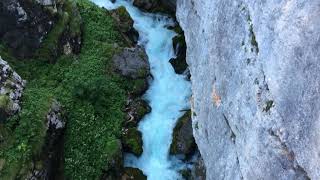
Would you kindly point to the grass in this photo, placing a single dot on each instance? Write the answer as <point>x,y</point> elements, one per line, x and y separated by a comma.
<point>92,96</point>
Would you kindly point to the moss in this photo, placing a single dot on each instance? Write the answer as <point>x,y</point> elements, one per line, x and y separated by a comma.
<point>4,101</point>
<point>94,119</point>
<point>28,138</point>
<point>139,87</point>
<point>49,47</point>
<point>132,141</point>
<point>69,19</point>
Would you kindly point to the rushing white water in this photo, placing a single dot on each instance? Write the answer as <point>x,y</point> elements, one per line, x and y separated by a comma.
<point>167,95</point>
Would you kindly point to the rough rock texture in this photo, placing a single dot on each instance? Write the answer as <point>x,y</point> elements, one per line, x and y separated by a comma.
<point>51,158</point>
<point>11,88</point>
<point>132,63</point>
<point>125,25</point>
<point>256,86</point>
<point>26,24</point>
<point>183,140</point>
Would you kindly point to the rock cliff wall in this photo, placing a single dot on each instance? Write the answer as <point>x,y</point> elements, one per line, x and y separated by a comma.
<point>256,86</point>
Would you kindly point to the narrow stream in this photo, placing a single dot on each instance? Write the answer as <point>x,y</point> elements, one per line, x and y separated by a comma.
<point>167,95</point>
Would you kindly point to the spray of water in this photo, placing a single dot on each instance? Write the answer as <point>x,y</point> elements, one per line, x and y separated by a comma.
<point>167,95</point>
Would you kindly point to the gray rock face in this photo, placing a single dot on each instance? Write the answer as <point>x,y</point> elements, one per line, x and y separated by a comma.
<point>24,26</point>
<point>256,86</point>
<point>11,88</point>
<point>132,63</point>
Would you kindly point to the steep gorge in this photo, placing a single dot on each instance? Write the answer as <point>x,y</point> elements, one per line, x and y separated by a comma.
<point>256,86</point>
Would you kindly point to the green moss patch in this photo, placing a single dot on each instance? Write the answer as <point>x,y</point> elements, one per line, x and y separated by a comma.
<point>93,99</point>
<point>132,141</point>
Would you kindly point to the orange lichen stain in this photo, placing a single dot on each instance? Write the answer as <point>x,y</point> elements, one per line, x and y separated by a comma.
<point>215,97</point>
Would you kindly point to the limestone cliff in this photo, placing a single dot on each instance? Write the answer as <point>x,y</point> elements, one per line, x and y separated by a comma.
<point>256,86</point>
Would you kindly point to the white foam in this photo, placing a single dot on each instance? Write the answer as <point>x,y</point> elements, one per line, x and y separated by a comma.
<point>167,95</point>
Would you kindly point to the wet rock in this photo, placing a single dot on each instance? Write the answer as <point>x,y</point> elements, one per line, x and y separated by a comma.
<point>136,110</point>
<point>48,164</point>
<point>133,174</point>
<point>162,6</point>
<point>125,24</point>
<point>11,89</point>
<point>132,141</point>
<point>183,141</point>
<point>147,5</point>
<point>132,63</point>
<point>180,48</point>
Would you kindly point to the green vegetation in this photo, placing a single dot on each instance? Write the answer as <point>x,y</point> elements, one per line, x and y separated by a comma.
<point>90,93</point>
<point>69,21</point>
<point>132,141</point>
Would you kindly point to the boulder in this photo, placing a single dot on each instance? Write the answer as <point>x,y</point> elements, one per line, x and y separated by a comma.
<point>11,89</point>
<point>132,141</point>
<point>133,174</point>
<point>125,24</point>
<point>132,63</point>
<point>183,141</point>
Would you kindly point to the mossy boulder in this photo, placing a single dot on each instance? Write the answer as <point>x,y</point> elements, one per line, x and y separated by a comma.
<point>136,110</point>
<point>183,141</point>
<point>133,174</point>
<point>133,64</point>
<point>125,24</point>
<point>132,141</point>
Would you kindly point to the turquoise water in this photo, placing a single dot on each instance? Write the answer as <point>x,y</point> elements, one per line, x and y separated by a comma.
<point>167,95</point>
